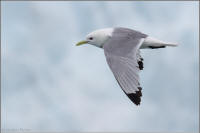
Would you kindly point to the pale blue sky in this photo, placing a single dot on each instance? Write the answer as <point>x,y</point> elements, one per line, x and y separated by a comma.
<point>48,84</point>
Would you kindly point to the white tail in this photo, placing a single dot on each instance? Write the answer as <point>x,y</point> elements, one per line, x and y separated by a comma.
<point>171,44</point>
<point>153,42</point>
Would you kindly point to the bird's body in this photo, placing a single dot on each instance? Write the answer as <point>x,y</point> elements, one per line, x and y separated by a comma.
<point>122,50</point>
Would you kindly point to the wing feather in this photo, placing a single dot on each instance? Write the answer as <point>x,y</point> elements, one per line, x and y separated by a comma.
<point>122,58</point>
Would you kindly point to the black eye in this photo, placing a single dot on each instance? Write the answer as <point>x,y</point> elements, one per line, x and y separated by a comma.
<point>91,38</point>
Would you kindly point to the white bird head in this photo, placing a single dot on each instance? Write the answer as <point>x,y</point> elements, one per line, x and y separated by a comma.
<point>97,38</point>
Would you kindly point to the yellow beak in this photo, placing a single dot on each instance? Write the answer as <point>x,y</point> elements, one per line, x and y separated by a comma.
<point>81,43</point>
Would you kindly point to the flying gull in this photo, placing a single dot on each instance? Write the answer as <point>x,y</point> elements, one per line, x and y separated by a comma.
<point>122,50</point>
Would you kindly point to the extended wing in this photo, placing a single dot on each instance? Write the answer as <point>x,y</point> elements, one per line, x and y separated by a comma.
<point>123,58</point>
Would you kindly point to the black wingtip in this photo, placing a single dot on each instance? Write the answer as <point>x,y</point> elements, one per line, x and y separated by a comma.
<point>136,97</point>
<point>155,47</point>
<point>140,63</point>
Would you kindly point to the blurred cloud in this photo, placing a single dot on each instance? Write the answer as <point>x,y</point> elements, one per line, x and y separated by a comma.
<point>48,84</point>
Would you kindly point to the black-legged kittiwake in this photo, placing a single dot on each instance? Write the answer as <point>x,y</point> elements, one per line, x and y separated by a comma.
<point>122,50</point>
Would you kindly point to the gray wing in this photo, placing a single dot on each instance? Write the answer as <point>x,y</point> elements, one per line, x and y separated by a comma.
<point>122,55</point>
